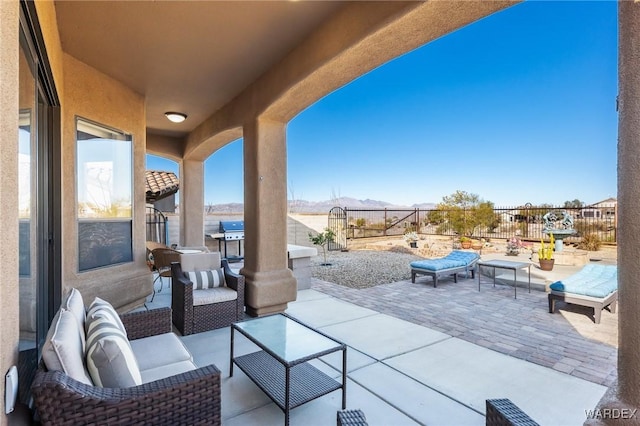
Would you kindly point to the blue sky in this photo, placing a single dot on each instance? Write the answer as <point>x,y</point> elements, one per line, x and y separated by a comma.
<point>518,107</point>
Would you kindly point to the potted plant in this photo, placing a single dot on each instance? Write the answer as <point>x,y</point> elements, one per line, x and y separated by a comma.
<point>476,245</point>
<point>411,238</point>
<point>465,242</point>
<point>545,254</point>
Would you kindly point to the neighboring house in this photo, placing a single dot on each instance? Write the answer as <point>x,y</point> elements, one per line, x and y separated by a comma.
<point>605,209</point>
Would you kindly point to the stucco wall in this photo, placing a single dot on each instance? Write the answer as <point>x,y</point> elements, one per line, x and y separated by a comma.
<point>94,96</point>
<point>9,18</point>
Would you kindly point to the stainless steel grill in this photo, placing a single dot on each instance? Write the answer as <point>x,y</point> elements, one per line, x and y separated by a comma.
<point>231,231</point>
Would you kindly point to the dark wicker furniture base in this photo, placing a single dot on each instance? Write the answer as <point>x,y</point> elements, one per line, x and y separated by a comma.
<point>191,398</point>
<point>307,382</point>
<point>503,412</point>
<point>596,303</point>
<point>351,418</point>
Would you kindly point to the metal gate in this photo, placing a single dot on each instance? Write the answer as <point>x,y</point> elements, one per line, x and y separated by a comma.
<point>338,224</point>
<point>156,226</point>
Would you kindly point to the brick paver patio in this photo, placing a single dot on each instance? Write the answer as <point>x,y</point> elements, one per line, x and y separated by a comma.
<point>567,341</point>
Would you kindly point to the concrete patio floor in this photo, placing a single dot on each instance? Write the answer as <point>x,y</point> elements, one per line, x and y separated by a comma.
<point>410,364</point>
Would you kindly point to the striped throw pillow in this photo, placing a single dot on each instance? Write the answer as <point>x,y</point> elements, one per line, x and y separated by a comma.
<point>102,308</point>
<point>207,279</point>
<point>110,359</point>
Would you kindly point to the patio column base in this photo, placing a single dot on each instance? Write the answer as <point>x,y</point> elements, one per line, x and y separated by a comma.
<point>611,410</point>
<point>269,292</point>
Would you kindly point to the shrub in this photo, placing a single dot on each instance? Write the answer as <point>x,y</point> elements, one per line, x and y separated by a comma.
<point>590,242</point>
<point>323,239</point>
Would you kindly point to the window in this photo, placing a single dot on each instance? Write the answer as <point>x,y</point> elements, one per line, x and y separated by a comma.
<point>105,202</point>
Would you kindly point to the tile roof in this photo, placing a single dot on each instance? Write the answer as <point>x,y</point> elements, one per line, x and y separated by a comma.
<point>160,185</point>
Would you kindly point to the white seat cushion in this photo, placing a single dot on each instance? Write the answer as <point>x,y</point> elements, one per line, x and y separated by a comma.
<point>165,371</point>
<point>213,295</point>
<point>159,350</point>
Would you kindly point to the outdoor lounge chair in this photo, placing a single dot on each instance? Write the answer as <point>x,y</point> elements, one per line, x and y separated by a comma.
<point>451,264</point>
<point>594,285</point>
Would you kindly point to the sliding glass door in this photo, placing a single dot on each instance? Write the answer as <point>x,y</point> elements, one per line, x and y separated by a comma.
<point>39,244</point>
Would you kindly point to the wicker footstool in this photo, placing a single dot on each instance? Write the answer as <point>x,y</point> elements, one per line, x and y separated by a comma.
<point>503,412</point>
<point>351,418</point>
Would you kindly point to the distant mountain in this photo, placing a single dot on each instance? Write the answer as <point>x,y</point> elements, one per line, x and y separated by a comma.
<point>304,206</point>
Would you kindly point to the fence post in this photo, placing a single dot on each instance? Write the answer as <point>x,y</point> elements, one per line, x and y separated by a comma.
<point>385,222</point>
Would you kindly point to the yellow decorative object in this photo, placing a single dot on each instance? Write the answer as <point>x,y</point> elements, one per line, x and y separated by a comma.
<point>546,251</point>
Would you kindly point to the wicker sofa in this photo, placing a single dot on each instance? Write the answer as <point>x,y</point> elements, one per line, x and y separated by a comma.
<point>172,389</point>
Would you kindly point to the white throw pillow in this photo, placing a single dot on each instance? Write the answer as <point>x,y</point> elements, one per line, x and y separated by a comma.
<point>75,304</point>
<point>63,349</point>
<point>207,279</point>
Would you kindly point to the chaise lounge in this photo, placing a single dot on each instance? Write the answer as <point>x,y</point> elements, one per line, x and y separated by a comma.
<point>595,286</point>
<point>453,263</point>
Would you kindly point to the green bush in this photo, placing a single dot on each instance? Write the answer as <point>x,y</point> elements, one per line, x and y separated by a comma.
<point>590,242</point>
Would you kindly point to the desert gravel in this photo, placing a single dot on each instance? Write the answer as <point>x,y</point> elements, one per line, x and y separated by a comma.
<point>363,268</point>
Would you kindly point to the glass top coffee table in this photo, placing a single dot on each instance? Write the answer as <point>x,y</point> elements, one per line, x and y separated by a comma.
<point>505,264</point>
<point>280,368</point>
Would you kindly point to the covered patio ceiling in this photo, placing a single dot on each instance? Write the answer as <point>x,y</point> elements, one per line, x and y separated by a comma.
<point>192,57</point>
<point>220,62</point>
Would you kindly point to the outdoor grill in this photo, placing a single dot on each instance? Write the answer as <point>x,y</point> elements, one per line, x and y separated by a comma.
<point>231,231</point>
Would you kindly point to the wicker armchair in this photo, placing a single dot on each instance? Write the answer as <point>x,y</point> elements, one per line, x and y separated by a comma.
<point>192,318</point>
<point>188,398</point>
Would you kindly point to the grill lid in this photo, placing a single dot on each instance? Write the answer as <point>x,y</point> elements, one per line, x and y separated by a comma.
<point>231,226</point>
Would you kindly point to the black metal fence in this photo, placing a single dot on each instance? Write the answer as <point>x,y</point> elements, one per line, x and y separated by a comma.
<point>156,225</point>
<point>497,223</point>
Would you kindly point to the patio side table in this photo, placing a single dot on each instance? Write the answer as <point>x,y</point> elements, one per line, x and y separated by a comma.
<point>281,368</point>
<point>505,264</point>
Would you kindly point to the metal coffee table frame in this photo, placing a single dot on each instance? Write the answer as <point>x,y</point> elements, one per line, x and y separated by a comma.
<point>289,383</point>
<point>505,264</point>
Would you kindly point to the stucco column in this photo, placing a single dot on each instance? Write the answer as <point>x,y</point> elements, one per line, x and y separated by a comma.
<point>624,396</point>
<point>629,202</point>
<point>270,284</point>
<point>9,54</point>
<point>192,203</point>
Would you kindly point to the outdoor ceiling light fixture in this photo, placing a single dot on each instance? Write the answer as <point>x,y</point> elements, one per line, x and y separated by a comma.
<point>176,117</point>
